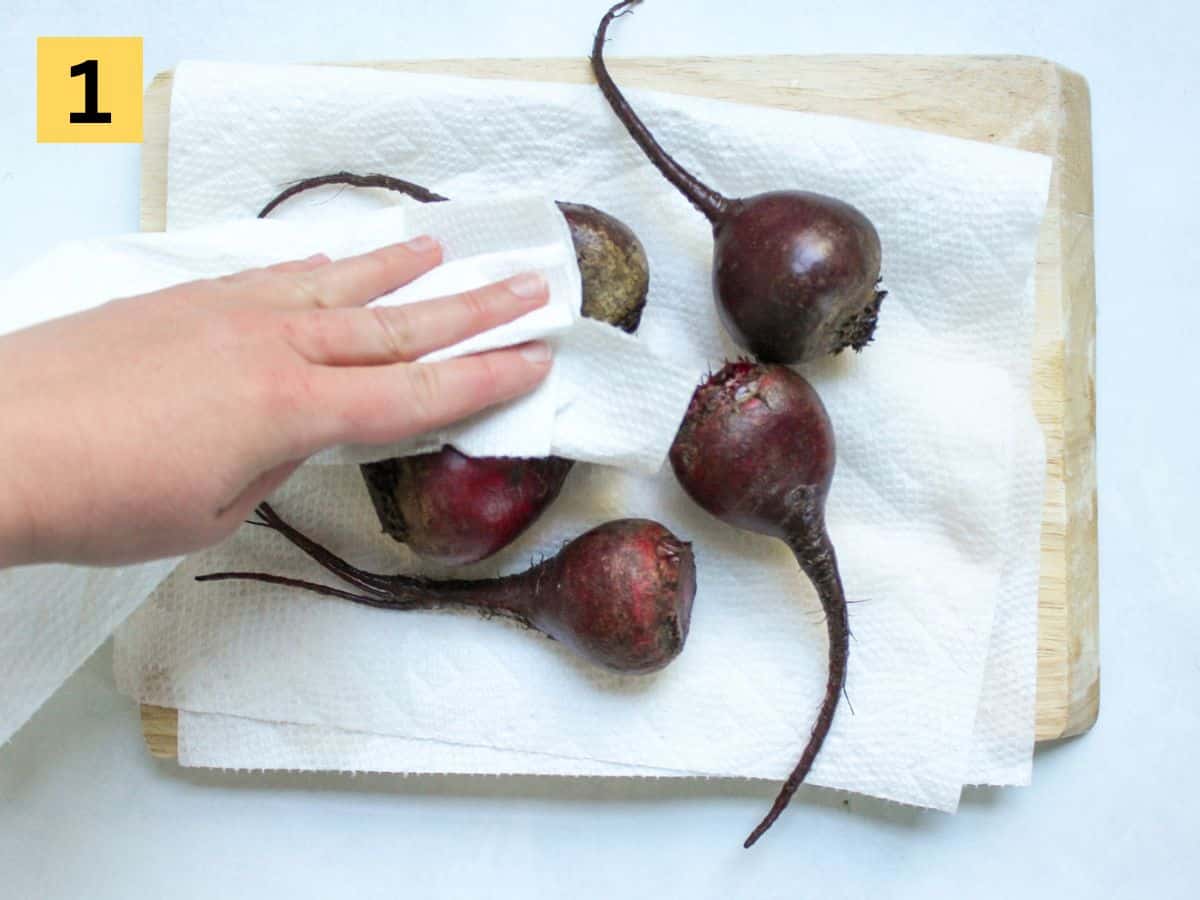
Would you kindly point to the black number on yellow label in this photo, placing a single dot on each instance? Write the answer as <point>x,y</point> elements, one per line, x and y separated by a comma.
<point>91,115</point>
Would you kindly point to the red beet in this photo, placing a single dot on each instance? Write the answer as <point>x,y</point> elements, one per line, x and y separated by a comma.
<point>794,272</point>
<point>756,450</point>
<point>459,509</point>
<point>619,595</point>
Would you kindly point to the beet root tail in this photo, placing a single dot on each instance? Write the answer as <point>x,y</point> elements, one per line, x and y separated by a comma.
<point>814,552</point>
<point>833,690</point>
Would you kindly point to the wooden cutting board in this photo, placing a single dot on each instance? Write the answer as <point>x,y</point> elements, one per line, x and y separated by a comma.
<point>1016,101</point>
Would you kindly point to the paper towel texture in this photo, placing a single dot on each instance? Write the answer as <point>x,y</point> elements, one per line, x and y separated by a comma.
<point>52,618</point>
<point>938,481</point>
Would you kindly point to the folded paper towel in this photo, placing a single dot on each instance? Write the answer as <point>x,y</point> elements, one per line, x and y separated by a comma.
<point>935,505</point>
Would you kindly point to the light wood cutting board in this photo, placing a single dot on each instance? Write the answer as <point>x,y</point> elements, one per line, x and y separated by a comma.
<point>1016,101</point>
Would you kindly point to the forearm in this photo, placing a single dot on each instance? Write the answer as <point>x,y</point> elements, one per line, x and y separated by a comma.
<point>16,514</point>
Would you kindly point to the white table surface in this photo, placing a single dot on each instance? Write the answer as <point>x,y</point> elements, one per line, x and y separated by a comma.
<point>84,812</point>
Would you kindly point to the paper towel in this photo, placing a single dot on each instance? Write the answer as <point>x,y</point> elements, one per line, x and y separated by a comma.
<point>217,741</point>
<point>575,413</point>
<point>52,618</point>
<point>939,461</point>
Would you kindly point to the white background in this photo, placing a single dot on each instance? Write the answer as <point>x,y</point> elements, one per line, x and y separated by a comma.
<point>84,812</point>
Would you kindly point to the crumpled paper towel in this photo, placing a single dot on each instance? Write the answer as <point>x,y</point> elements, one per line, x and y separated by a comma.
<point>938,481</point>
<point>574,413</point>
<point>53,617</point>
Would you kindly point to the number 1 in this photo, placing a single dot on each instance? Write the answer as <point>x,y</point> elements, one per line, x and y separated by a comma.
<point>90,70</point>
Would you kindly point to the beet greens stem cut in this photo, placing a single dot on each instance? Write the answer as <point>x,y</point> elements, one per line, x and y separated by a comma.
<point>459,509</point>
<point>712,204</point>
<point>620,595</point>
<point>756,450</point>
<point>795,273</point>
<point>350,179</point>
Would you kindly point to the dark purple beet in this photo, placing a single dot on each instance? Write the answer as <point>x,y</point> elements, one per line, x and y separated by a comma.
<point>794,273</point>
<point>756,450</point>
<point>620,595</point>
<point>459,509</point>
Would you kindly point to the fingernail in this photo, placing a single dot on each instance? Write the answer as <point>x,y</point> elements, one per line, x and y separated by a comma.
<point>536,352</point>
<point>422,244</point>
<point>318,258</point>
<point>529,285</point>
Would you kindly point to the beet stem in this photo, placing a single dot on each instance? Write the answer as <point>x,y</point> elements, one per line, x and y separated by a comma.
<point>814,552</point>
<point>713,205</point>
<point>360,578</point>
<point>424,195</point>
<point>291,582</point>
<point>506,596</point>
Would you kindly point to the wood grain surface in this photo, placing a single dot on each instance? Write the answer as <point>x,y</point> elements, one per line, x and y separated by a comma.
<point>1019,102</point>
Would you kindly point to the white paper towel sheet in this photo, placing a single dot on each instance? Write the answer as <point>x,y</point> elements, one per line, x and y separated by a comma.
<point>934,508</point>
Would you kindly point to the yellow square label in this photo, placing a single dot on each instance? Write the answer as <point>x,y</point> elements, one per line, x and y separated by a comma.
<point>89,90</point>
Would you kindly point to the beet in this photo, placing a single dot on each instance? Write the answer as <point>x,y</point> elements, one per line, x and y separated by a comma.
<point>794,273</point>
<point>756,450</point>
<point>460,509</point>
<point>620,595</point>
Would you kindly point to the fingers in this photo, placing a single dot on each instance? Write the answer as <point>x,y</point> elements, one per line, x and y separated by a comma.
<point>299,265</point>
<point>380,404</point>
<point>357,280</point>
<point>389,334</point>
<point>281,268</point>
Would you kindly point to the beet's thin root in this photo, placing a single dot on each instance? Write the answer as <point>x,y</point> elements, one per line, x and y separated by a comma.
<point>814,551</point>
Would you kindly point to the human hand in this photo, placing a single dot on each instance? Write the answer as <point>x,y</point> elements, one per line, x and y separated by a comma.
<point>152,425</point>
